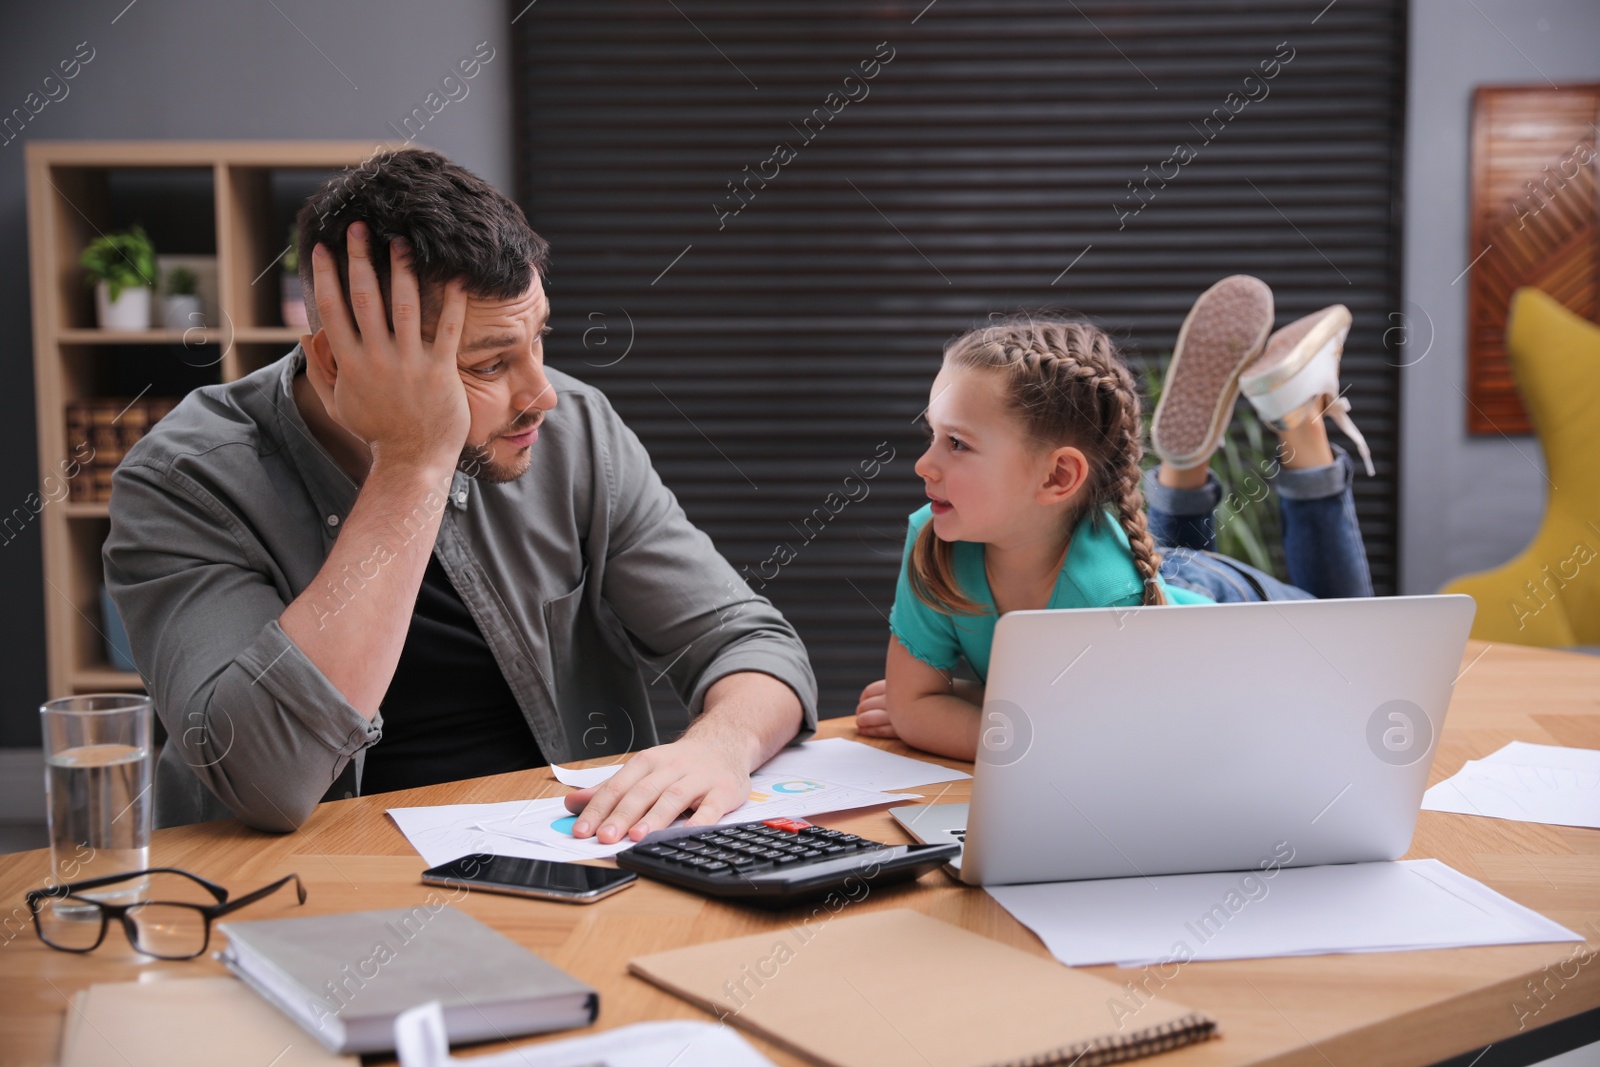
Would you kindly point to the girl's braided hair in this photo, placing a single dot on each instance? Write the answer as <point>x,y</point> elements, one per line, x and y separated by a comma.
<point>1067,383</point>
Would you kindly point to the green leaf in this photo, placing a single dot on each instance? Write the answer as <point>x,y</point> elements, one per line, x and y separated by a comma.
<point>121,260</point>
<point>181,281</point>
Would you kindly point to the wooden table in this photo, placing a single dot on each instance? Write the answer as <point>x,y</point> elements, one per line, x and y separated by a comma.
<point>1403,1008</point>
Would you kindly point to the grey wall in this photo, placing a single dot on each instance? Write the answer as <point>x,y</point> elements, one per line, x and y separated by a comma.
<point>193,69</point>
<point>1466,504</point>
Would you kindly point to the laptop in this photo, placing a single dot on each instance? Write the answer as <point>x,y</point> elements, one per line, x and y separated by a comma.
<point>1127,742</point>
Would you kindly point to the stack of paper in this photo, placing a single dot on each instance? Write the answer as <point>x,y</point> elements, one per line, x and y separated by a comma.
<point>1288,911</point>
<point>542,829</point>
<point>808,779</point>
<point>832,759</point>
<point>1526,783</point>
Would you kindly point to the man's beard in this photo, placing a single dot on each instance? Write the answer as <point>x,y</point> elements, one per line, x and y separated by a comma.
<point>476,461</point>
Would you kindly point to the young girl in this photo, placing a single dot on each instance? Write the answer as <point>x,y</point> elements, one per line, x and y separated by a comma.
<point>1034,486</point>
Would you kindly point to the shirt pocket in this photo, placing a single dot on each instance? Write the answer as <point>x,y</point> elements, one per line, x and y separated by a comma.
<point>561,619</point>
<point>600,696</point>
<point>573,646</point>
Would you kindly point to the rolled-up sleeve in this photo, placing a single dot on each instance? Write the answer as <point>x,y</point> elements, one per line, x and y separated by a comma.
<point>685,607</point>
<point>251,716</point>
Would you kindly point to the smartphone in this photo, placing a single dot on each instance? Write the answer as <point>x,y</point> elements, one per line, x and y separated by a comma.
<point>574,883</point>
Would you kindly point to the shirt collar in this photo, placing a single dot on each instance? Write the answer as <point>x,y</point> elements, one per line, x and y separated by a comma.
<point>1099,562</point>
<point>1098,569</point>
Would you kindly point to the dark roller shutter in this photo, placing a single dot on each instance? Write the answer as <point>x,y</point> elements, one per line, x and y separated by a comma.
<point>764,355</point>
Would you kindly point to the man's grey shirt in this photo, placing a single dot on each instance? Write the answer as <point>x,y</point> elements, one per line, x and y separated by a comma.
<point>580,574</point>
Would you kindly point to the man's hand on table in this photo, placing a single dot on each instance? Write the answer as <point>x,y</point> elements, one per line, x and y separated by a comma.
<point>748,717</point>
<point>657,786</point>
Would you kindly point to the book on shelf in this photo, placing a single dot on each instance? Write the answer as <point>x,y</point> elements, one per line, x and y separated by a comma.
<point>100,432</point>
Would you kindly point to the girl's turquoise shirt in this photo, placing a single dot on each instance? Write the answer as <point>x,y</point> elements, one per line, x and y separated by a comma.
<point>1097,573</point>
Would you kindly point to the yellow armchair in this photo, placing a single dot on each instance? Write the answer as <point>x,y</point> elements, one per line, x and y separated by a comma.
<point>1550,594</point>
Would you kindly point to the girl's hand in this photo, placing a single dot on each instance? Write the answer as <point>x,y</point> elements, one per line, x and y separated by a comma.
<point>872,712</point>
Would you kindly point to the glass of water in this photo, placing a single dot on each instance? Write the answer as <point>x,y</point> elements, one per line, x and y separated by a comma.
<point>97,784</point>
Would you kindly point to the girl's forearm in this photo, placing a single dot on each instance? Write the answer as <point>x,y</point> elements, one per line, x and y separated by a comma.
<point>943,725</point>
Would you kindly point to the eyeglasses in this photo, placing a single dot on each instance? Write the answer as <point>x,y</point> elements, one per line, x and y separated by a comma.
<point>167,929</point>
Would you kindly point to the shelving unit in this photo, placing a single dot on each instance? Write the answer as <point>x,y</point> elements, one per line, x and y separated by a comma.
<point>71,199</point>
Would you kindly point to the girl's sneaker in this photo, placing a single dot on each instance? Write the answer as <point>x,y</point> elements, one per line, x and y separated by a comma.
<point>1223,332</point>
<point>1297,377</point>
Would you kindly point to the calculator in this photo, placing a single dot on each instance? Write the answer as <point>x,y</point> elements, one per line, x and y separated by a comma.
<point>779,862</point>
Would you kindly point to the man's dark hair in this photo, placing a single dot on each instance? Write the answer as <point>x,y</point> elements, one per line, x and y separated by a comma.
<point>459,226</point>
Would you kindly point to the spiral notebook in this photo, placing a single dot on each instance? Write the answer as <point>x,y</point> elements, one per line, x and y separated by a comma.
<point>898,989</point>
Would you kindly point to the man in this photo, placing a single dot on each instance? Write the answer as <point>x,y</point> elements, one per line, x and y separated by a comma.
<point>408,552</point>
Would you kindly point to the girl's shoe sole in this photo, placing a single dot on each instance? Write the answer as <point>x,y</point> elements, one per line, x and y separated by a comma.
<point>1222,334</point>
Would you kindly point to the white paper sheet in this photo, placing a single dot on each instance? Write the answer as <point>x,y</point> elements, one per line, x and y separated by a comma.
<point>441,834</point>
<point>584,777</point>
<point>1525,783</point>
<point>1289,911</point>
<point>420,1042</point>
<point>541,829</point>
<point>1531,755</point>
<point>837,759</point>
<point>833,759</point>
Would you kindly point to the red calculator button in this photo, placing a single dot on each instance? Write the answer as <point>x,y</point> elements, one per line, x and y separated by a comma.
<point>794,826</point>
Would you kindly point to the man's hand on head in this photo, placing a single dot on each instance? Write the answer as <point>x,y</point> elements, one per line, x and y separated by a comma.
<point>400,395</point>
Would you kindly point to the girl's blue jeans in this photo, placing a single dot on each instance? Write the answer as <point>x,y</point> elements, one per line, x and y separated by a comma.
<point>1321,540</point>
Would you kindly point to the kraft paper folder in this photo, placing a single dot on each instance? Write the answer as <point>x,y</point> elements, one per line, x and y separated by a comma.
<point>185,1022</point>
<point>898,989</point>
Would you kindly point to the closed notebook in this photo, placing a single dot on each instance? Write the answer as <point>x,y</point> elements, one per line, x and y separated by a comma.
<point>184,1022</point>
<point>346,977</point>
<point>898,989</point>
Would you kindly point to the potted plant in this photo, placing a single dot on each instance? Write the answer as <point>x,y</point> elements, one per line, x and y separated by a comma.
<point>183,300</point>
<point>293,298</point>
<point>122,269</point>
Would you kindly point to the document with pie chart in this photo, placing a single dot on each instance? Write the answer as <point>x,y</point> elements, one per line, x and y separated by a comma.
<point>542,829</point>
